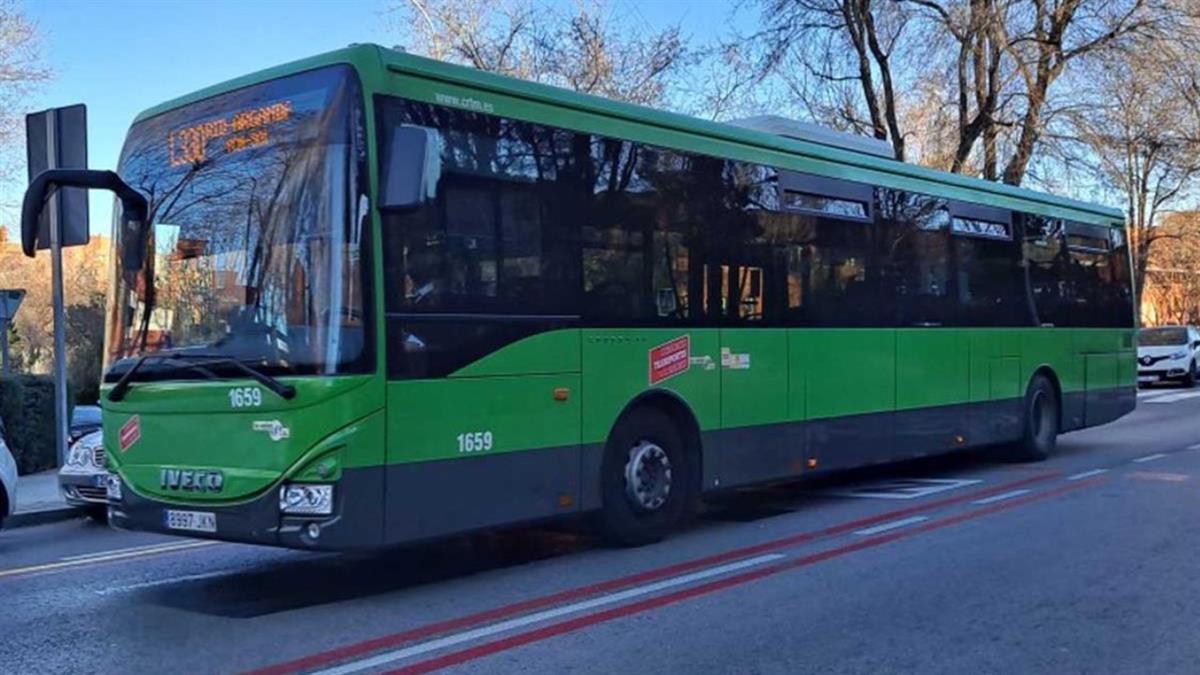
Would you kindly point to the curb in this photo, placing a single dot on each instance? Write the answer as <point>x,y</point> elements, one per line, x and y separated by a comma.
<point>41,516</point>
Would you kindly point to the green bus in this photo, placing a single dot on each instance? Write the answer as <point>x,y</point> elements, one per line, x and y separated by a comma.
<point>369,298</point>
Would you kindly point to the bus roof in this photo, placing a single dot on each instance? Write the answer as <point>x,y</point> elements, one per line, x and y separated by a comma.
<point>378,61</point>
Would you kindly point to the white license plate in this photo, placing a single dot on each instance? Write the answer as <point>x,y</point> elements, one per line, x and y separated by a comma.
<point>193,521</point>
<point>1147,379</point>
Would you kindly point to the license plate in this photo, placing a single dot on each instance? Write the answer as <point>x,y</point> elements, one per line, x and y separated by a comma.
<point>192,521</point>
<point>1147,379</point>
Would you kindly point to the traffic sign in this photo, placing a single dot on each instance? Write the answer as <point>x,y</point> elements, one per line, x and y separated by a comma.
<point>10,300</point>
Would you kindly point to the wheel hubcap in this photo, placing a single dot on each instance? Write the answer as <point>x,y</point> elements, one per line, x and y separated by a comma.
<point>648,476</point>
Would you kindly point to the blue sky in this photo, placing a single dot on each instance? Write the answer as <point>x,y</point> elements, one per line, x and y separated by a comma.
<point>123,56</point>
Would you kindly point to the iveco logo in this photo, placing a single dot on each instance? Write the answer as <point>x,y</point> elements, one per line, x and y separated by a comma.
<point>192,480</point>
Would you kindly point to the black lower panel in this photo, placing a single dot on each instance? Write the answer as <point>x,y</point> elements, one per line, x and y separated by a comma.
<point>743,456</point>
<point>431,499</point>
<point>1106,405</point>
<point>357,521</point>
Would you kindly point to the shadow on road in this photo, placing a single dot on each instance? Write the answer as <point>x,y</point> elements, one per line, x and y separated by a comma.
<point>307,581</point>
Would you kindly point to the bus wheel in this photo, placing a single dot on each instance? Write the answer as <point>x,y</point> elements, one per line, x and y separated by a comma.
<point>645,479</point>
<point>1040,434</point>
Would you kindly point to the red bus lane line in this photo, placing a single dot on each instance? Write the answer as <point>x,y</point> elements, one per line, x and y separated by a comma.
<point>506,611</point>
<point>571,625</point>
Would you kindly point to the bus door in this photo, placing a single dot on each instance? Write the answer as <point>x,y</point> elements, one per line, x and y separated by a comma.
<point>740,290</point>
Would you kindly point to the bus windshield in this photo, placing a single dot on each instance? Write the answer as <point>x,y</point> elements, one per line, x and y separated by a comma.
<point>253,247</point>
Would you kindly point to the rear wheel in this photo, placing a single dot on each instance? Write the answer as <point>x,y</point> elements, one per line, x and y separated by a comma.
<point>1041,413</point>
<point>646,479</point>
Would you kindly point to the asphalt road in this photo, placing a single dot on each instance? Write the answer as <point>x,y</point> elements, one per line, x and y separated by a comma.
<point>1083,563</point>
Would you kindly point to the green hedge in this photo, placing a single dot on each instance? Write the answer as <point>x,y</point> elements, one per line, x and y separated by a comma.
<point>27,408</point>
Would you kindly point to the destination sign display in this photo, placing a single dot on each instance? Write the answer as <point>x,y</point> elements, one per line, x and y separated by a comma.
<point>236,132</point>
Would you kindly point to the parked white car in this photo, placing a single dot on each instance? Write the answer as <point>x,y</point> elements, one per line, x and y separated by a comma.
<point>83,478</point>
<point>8,480</point>
<point>1168,353</point>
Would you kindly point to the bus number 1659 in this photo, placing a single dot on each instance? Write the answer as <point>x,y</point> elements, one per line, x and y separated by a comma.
<point>476,441</point>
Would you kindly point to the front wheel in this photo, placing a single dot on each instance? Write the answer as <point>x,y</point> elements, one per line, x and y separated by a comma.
<point>1189,380</point>
<point>646,479</point>
<point>1040,434</point>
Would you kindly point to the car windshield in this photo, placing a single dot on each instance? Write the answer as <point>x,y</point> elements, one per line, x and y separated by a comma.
<point>85,414</point>
<point>1162,337</point>
<point>253,249</point>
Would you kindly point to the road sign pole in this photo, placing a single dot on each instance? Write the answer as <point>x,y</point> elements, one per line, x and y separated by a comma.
<point>60,339</point>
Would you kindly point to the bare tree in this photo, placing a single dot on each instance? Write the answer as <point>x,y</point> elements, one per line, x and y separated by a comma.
<point>1142,132</point>
<point>838,58</point>
<point>21,71</point>
<point>585,49</point>
<point>857,63</point>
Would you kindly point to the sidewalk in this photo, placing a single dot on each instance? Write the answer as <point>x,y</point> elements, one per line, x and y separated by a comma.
<point>39,500</point>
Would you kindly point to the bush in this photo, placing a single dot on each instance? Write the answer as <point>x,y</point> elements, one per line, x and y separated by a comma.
<point>27,408</point>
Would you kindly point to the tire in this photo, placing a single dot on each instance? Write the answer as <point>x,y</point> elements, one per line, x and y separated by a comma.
<point>1189,380</point>
<point>96,513</point>
<point>1039,434</point>
<point>642,506</point>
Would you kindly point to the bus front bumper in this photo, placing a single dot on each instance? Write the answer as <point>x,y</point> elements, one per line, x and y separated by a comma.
<point>353,524</point>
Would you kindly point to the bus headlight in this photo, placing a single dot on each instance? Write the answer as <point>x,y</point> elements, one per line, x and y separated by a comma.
<point>306,499</point>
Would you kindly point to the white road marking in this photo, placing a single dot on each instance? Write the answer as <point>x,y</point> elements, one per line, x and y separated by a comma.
<point>106,556</point>
<point>167,545</point>
<point>1087,474</point>
<point>1000,497</point>
<point>1172,398</point>
<point>904,488</point>
<point>1149,458</point>
<point>538,617</point>
<point>164,582</point>
<point>1195,446</point>
<point>891,525</point>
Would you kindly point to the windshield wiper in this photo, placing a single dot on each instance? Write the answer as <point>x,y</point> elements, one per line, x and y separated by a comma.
<point>184,361</point>
<point>284,391</point>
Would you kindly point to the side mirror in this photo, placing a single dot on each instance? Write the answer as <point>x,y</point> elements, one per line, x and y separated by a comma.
<point>1195,344</point>
<point>412,170</point>
<point>57,139</point>
<point>136,209</point>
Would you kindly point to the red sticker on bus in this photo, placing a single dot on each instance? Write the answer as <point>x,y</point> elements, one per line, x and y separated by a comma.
<point>670,359</point>
<point>130,433</point>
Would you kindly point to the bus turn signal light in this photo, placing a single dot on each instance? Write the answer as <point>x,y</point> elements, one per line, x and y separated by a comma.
<point>561,394</point>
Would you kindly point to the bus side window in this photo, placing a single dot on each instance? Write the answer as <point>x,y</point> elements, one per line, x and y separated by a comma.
<point>650,211</point>
<point>1089,274</point>
<point>989,281</point>
<point>1046,261</point>
<point>1120,284</point>
<point>919,273</point>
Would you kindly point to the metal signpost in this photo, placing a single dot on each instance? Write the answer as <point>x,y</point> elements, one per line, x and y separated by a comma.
<point>64,223</point>
<point>10,301</point>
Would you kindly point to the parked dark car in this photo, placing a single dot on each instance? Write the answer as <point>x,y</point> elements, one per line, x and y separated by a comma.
<point>82,479</point>
<point>84,420</point>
